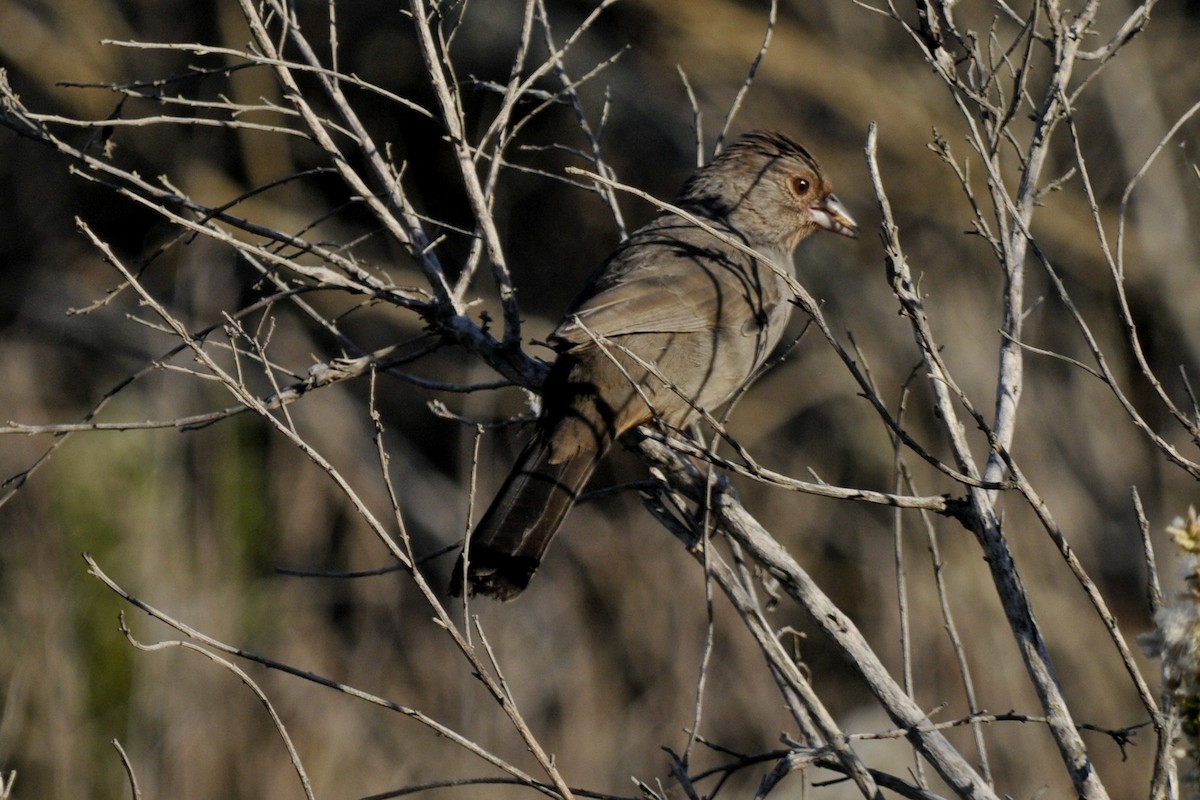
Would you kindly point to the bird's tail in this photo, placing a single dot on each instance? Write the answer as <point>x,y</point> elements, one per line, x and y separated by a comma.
<point>508,543</point>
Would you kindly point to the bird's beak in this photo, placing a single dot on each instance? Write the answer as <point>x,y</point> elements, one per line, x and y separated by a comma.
<point>831,215</point>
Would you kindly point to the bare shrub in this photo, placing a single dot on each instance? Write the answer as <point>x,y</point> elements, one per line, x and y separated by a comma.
<point>322,241</point>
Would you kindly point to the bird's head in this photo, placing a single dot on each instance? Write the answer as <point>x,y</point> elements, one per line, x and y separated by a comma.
<point>770,189</point>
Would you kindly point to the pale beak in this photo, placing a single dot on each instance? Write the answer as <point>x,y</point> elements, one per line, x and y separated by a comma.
<point>831,215</point>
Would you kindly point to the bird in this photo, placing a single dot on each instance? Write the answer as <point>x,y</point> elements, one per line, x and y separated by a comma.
<point>673,321</point>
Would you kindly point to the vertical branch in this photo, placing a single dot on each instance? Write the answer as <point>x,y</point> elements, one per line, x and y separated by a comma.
<point>697,115</point>
<point>956,643</point>
<point>1065,41</point>
<point>735,106</point>
<point>607,193</point>
<point>495,142</point>
<point>986,522</point>
<point>452,117</point>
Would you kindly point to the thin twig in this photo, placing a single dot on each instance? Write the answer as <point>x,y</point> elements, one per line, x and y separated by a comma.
<point>129,773</point>
<point>297,765</point>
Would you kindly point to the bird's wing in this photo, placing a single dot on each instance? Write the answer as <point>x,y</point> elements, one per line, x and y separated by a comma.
<point>667,279</point>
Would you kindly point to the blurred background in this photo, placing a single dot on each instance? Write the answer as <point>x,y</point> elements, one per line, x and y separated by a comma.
<point>603,650</point>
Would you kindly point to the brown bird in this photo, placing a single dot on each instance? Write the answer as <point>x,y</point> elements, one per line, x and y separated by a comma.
<point>674,320</point>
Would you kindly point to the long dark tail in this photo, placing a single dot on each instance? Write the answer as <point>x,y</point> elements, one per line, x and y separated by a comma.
<point>509,541</point>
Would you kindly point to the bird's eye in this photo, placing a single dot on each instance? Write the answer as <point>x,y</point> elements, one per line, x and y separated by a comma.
<point>799,185</point>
